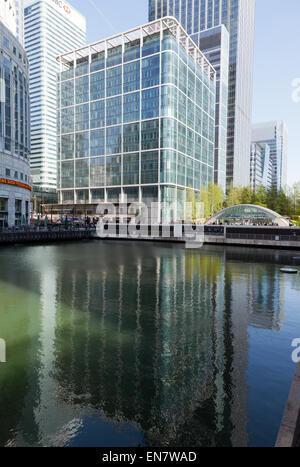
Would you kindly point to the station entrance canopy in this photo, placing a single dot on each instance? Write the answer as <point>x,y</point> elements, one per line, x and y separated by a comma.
<point>248,214</point>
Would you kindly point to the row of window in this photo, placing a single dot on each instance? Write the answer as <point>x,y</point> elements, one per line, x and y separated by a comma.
<point>136,106</point>
<point>135,169</point>
<point>115,56</point>
<point>122,80</point>
<point>6,44</point>
<point>148,194</point>
<point>16,175</point>
<point>135,137</point>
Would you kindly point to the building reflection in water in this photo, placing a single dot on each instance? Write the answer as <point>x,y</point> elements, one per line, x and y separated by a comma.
<point>153,336</point>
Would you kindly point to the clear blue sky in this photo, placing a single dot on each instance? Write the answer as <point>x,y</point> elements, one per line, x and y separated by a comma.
<point>276,56</point>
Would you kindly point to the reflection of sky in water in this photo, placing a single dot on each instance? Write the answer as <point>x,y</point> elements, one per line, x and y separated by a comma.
<point>95,430</point>
<point>123,344</point>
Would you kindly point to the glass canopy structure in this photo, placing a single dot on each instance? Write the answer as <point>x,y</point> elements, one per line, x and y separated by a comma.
<point>248,214</point>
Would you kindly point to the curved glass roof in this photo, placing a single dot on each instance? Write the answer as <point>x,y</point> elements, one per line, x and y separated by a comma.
<point>248,213</point>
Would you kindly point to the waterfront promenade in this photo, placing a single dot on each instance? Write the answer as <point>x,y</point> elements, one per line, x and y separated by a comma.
<point>252,236</point>
<point>44,235</point>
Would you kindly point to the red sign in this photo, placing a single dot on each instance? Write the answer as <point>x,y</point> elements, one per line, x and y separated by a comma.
<point>5,181</point>
<point>67,9</point>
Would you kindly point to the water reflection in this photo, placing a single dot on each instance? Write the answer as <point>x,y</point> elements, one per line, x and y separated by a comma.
<point>131,344</point>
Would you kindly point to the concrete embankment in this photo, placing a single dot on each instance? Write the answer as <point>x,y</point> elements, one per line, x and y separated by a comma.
<point>20,237</point>
<point>289,433</point>
<point>254,236</point>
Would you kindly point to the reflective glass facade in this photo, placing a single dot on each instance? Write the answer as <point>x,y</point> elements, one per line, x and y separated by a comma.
<point>214,43</point>
<point>136,119</point>
<point>275,135</point>
<point>261,167</point>
<point>14,132</point>
<point>238,17</point>
<point>8,15</point>
<point>20,20</point>
<point>51,28</point>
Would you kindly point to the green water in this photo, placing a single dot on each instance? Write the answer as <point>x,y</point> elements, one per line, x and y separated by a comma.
<point>127,344</point>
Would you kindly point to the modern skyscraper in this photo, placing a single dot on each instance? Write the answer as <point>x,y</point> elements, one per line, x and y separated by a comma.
<point>14,131</point>
<point>8,15</point>
<point>238,17</point>
<point>51,28</point>
<point>214,43</point>
<point>137,119</point>
<point>20,20</point>
<point>274,134</point>
<point>261,167</point>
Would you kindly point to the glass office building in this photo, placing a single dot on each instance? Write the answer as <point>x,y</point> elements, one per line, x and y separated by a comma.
<point>261,167</point>
<point>214,43</point>
<point>275,135</point>
<point>238,17</point>
<point>20,20</point>
<point>136,118</point>
<point>15,189</point>
<point>8,15</point>
<point>51,28</point>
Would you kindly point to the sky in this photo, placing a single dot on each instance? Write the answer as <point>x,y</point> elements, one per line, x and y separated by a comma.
<point>276,57</point>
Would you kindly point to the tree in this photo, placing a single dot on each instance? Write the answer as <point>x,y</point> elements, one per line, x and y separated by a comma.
<point>295,198</point>
<point>191,206</point>
<point>205,201</point>
<point>215,198</point>
<point>272,198</point>
<point>234,196</point>
<point>246,195</point>
<point>260,196</point>
<point>283,204</point>
<point>286,203</point>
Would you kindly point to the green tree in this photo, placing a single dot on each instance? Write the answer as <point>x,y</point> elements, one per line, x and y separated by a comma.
<point>272,198</point>
<point>294,193</point>
<point>283,204</point>
<point>191,207</point>
<point>234,196</point>
<point>215,196</point>
<point>246,195</point>
<point>205,200</point>
<point>260,196</point>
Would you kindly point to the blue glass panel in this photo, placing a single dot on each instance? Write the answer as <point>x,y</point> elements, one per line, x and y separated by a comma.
<point>149,167</point>
<point>97,117</point>
<point>97,142</point>
<point>113,111</point>
<point>114,140</point>
<point>131,77</point>
<point>150,132</point>
<point>131,107</point>
<point>151,45</point>
<point>150,71</point>
<point>150,103</point>
<point>98,62</point>
<point>97,86</point>
<point>114,56</point>
<point>114,81</point>
<point>132,51</point>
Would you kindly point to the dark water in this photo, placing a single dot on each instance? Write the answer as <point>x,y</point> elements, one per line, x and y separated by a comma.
<point>126,344</point>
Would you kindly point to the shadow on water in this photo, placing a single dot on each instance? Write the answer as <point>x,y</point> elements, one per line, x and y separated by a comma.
<point>124,343</point>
